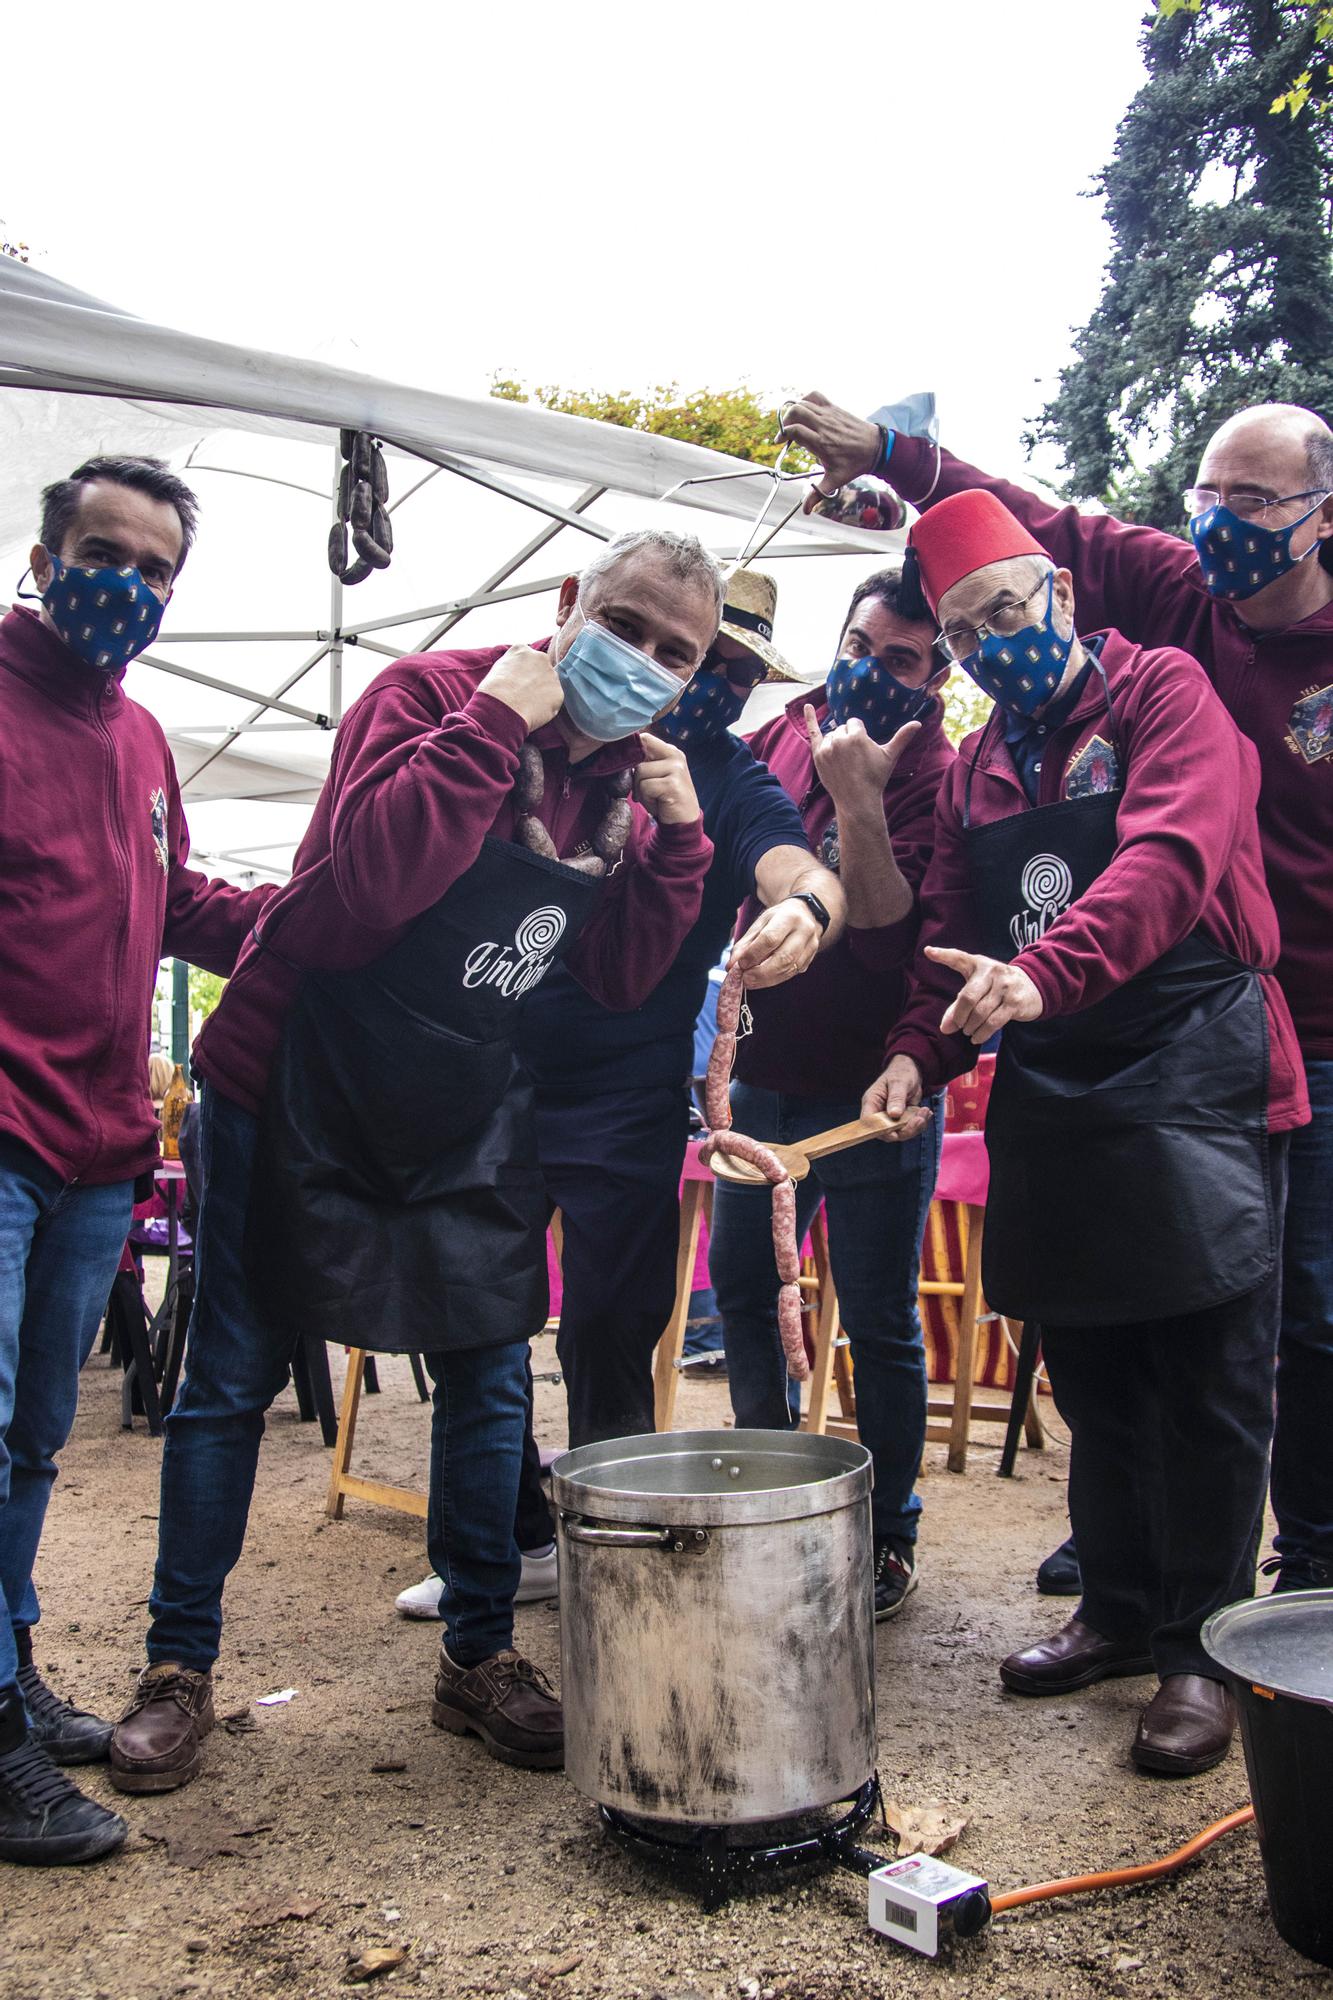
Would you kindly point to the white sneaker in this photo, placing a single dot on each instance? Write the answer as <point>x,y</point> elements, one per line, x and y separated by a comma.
<point>422,1600</point>
<point>537,1581</point>
<point>539,1576</point>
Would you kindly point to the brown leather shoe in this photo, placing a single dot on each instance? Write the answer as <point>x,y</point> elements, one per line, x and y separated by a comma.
<point>155,1745</point>
<point>508,1703</point>
<point>1073,1657</point>
<point>1186,1727</point>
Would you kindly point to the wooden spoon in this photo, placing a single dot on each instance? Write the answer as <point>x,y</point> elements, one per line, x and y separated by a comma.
<point>796,1158</point>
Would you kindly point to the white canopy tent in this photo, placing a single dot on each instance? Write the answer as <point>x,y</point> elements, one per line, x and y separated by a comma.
<point>262,649</point>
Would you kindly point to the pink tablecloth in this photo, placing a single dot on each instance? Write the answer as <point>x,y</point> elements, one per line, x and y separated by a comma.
<point>964,1169</point>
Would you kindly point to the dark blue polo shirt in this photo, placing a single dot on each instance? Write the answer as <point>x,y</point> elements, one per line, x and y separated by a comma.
<point>572,1045</point>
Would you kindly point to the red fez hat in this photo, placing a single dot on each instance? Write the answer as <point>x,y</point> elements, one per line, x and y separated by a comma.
<point>963,533</point>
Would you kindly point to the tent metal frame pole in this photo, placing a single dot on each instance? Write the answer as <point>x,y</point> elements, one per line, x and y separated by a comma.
<point>453,608</point>
<point>508,491</point>
<point>588,498</point>
<point>307,715</point>
<point>263,704</point>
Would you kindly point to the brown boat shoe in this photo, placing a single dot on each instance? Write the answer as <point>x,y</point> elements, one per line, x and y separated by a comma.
<point>155,1745</point>
<point>1186,1728</point>
<point>508,1703</point>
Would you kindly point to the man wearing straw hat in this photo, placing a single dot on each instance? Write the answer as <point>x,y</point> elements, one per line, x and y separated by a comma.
<point>612,1088</point>
<point>861,757</point>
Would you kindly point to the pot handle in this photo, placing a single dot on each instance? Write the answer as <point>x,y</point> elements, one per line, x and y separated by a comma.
<point>679,1541</point>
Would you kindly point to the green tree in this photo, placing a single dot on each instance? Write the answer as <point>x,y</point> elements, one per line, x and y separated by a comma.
<point>1219,290</point>
<point>736,421</point>
<point>1312,86</point>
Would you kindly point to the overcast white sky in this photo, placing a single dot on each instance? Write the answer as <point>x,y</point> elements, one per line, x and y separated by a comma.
<point>869,198</point>
<point>863,198</point>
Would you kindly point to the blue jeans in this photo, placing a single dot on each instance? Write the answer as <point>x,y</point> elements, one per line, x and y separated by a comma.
<point>59,1248</point>
<point>234,1367</point>
<point>1302,1483</point>
<point>876,1197</point>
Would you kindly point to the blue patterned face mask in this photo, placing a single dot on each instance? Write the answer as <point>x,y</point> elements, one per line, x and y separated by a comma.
<point>611,688</point>
<point>1023,669</point>
<point>1239,557</point>
<point>106,616</point>
<point>706,711</point>
<point>866,691</point>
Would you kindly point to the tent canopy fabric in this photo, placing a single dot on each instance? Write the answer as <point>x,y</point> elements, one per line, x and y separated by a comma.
<point>261,649</point>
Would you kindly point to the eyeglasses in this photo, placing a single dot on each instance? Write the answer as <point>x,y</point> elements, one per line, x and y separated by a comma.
<point>746,673</point>
<point>1246,506</point>
<point>1002,621</point>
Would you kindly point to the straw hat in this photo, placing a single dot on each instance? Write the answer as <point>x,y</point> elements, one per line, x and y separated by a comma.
<point>747,616</point>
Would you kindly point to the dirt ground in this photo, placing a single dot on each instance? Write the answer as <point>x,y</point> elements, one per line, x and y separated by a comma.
<point>347,1809</point>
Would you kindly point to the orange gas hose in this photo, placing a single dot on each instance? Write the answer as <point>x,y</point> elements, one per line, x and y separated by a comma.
<point>1116,1878</point>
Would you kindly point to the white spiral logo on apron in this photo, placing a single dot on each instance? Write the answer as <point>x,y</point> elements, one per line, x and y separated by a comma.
<point>541,932</point>
<point>1046,883</point>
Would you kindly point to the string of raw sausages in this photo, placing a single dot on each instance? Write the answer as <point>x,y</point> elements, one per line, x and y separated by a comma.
<point>722,1139</point>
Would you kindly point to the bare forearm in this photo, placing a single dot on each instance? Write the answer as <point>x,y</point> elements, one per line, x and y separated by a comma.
<point>875,889</point>
<point>794,871</point>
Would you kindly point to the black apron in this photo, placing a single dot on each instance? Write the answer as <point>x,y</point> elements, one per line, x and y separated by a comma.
<point>1128,1141</point>
<point>396,1202</point>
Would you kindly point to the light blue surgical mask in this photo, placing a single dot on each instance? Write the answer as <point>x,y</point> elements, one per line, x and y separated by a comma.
<point>611,688</point>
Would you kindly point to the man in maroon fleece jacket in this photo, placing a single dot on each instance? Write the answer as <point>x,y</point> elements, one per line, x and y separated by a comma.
<point>370,1161</point>
<point>1097,887</point>
<point>862,757</point>
<point>1254,605</point>
<point>94,889</point>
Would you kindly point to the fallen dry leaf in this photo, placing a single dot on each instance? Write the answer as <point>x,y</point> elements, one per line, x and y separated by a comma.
<point>380,1958</point>
<point>378,1770</point>
<point>271,1910</point>
<point>923,1829</point>
<point>240,1722</point>
<point>194,1838</point>
<point>560,1966</point>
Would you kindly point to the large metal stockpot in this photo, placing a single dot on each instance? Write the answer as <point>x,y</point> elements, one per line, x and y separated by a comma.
<point>717,1623</point>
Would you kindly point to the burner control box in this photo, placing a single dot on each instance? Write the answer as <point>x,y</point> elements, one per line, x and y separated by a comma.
<point>921,1902</point>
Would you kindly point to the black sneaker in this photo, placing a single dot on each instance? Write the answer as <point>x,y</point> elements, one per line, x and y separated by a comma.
<point>68,1735</point>
<point>1059,1575</point>
<point>895,1577</point>
<point>45,1821</point>
<point>1297,1573</point>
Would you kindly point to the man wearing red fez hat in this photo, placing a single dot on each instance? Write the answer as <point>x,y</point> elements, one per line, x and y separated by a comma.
<point>1097,887</point>
<point>1252,600</point>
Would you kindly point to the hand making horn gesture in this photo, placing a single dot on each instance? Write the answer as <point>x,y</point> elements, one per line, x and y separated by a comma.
<point>993,994</point>
<point>848,762</point>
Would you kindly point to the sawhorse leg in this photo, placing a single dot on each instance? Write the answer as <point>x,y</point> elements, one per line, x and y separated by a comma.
<point>696,1201</point>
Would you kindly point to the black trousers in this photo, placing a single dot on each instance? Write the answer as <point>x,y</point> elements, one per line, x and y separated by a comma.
<point>612,1165</point>
<point>1170,1422</point>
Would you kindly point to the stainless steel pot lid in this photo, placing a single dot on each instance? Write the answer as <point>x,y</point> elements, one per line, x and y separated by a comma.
<point>712,1478</point>
<point>1284,1643</point>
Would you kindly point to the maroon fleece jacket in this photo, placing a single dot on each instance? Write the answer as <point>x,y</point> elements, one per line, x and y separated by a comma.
<point>1187,855</point>
<point>823,1035</point>
<point>93,891</point>
<point>423,770</point>
<point>1148,586</point>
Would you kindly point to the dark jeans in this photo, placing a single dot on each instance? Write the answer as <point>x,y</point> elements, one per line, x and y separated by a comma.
<point>876,1197</point>
<point>1169,1422</point>
<point>1303,1440</point>
<point>59,1248</point>
<point>235,1366</point>
<point>612,1166</point>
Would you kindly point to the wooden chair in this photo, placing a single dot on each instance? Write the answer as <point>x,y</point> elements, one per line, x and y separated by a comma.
<point>951,1409</point>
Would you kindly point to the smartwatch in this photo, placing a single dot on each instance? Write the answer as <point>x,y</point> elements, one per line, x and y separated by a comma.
<point>812,901</point>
